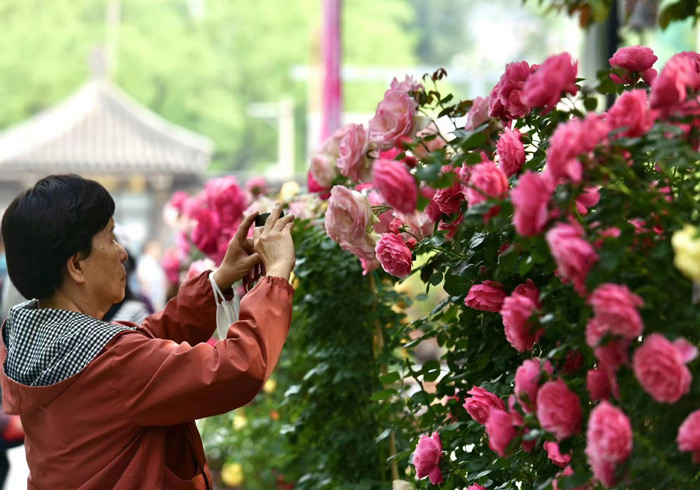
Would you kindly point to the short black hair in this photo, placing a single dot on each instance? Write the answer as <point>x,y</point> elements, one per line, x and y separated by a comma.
<point>49,223</point>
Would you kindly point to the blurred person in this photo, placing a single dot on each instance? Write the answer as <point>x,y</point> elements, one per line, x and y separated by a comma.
<point>113,405</point>
<point>151,277</point>
<point>134,307</point>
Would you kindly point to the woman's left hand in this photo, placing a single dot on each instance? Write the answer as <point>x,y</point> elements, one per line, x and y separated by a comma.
<point>240,256</point>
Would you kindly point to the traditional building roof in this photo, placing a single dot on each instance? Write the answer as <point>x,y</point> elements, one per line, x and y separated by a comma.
<point>101,130</point>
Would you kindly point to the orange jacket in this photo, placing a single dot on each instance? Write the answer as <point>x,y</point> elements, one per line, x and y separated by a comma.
<point>126,421</point>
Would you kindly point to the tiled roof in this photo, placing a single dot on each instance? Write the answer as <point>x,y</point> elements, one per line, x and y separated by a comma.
<point>100,129</point>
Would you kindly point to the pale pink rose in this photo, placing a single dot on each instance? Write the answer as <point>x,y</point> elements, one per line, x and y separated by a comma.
<point>559,409</point>
<point>530,201</point>
<point>555,76</point>
<point>570,141</point>
<point>631,111</point>
<point>171,264</point>
<point>553,453</point>
<point>574,255</point>
<point>323,169</point>
<point>587,199</point>
<point>426,458</point>
<point>487,180</point>
<point>615,309</point>
<point>671,86</point>
<point>409,84</point>
<point>394,256</point>
<point>383,221</point>
<point>511,152</point>
<point>480,404</point>
<point>227,200</point>
<point>363,249</point>
<point>527,378</point>
<point>198,267</point>
<point>520,332</point>
<point>659,365</point>
<point>347,216</point>
<point>598,384</point>
<point>487,296</point>
<point>205,234</point>
<point>506,98</point>
<point>639,59</point>
<point>609,437</point>
<point>500,430</point>
<point>256,186</point>
<point>368,265</point>
<point>396,185</point>
<point>478,113</point>
<point>352,160</point>
<point>178,199</point>
<point>419,224</point>
<point>689,435</point>
<point>425,147</point>
<point>393,119</point>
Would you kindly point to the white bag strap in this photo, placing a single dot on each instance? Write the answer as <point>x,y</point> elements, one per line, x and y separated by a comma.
<point>227,311</point>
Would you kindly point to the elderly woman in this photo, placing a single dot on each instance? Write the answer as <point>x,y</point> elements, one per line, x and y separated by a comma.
<point>112,406</point>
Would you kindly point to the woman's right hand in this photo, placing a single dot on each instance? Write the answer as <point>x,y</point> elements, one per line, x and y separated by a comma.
<point>273,243</point>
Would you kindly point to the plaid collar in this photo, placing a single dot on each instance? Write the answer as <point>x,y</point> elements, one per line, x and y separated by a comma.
<point>46,345</point>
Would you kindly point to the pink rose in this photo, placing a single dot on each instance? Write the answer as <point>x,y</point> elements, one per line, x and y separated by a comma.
<point>478,114</point>
<point>506,98</point>
<point>639,59</point>
<point>409,84</point>
<point>347,221</point>
<point>206,233</point>
<point>573,362</point>
<point>511,152</point>
<point>396,185</point>
<point>609,437</point>
<point>529,289</point>
<point>587,199</point>
<point>570,141</point>
<point>425,147</point>
<point>419,224</point>
<point>476,486</point>
<point>689,435</point>
<point>352,160</point>
<point>323,169</point>
<point>553,453</point>
<point>227,200</point>
<point>487,296</point>
<point>598,384</point>
<point>631,111</point>
<point>500,430</point>
<point>487,180</point>
<point>556,75</point>
<point>193,204</point>
<point>671,86</point>
<point>199,266</point>
<point>481,403</point>
<point>178,200</point>
<point>516,312</point>
<point>559,409</point>
<point>530,201</point>
<point>426,458</point>
<point>567,472</point>
<point>574,255</point>
<point>527,378</point>
<point>393,119</point>
<point>615,309</point>
<point>394,256</point>
<point>256,186</point>
<point>659,365</point>
<point>451,225</point>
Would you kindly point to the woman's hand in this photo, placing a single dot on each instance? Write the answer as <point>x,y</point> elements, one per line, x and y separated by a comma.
<point>274,244</point>
<point>240,256</point>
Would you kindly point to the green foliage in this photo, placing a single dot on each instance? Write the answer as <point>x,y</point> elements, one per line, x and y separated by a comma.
<point>343,331</point>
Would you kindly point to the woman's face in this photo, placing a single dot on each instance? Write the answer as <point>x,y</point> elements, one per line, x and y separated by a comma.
<point>106,276</point>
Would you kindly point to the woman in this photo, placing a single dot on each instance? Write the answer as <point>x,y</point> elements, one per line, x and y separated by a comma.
<point>112,405</point>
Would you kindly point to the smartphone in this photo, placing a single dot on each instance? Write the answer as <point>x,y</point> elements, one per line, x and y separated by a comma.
<point>261,218</point>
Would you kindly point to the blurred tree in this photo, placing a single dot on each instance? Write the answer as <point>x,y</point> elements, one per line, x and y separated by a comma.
<point>198,63</point>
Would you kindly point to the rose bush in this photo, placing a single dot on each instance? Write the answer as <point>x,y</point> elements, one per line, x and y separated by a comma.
<point>565,240</point>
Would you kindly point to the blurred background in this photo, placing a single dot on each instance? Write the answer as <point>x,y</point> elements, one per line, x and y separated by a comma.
<point>153,96</point>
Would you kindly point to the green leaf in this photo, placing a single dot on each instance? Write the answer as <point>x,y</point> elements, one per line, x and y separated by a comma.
<point>574,481</point>
<point>389,378</point>
<point>383,395</point>
<point>456,285</point>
